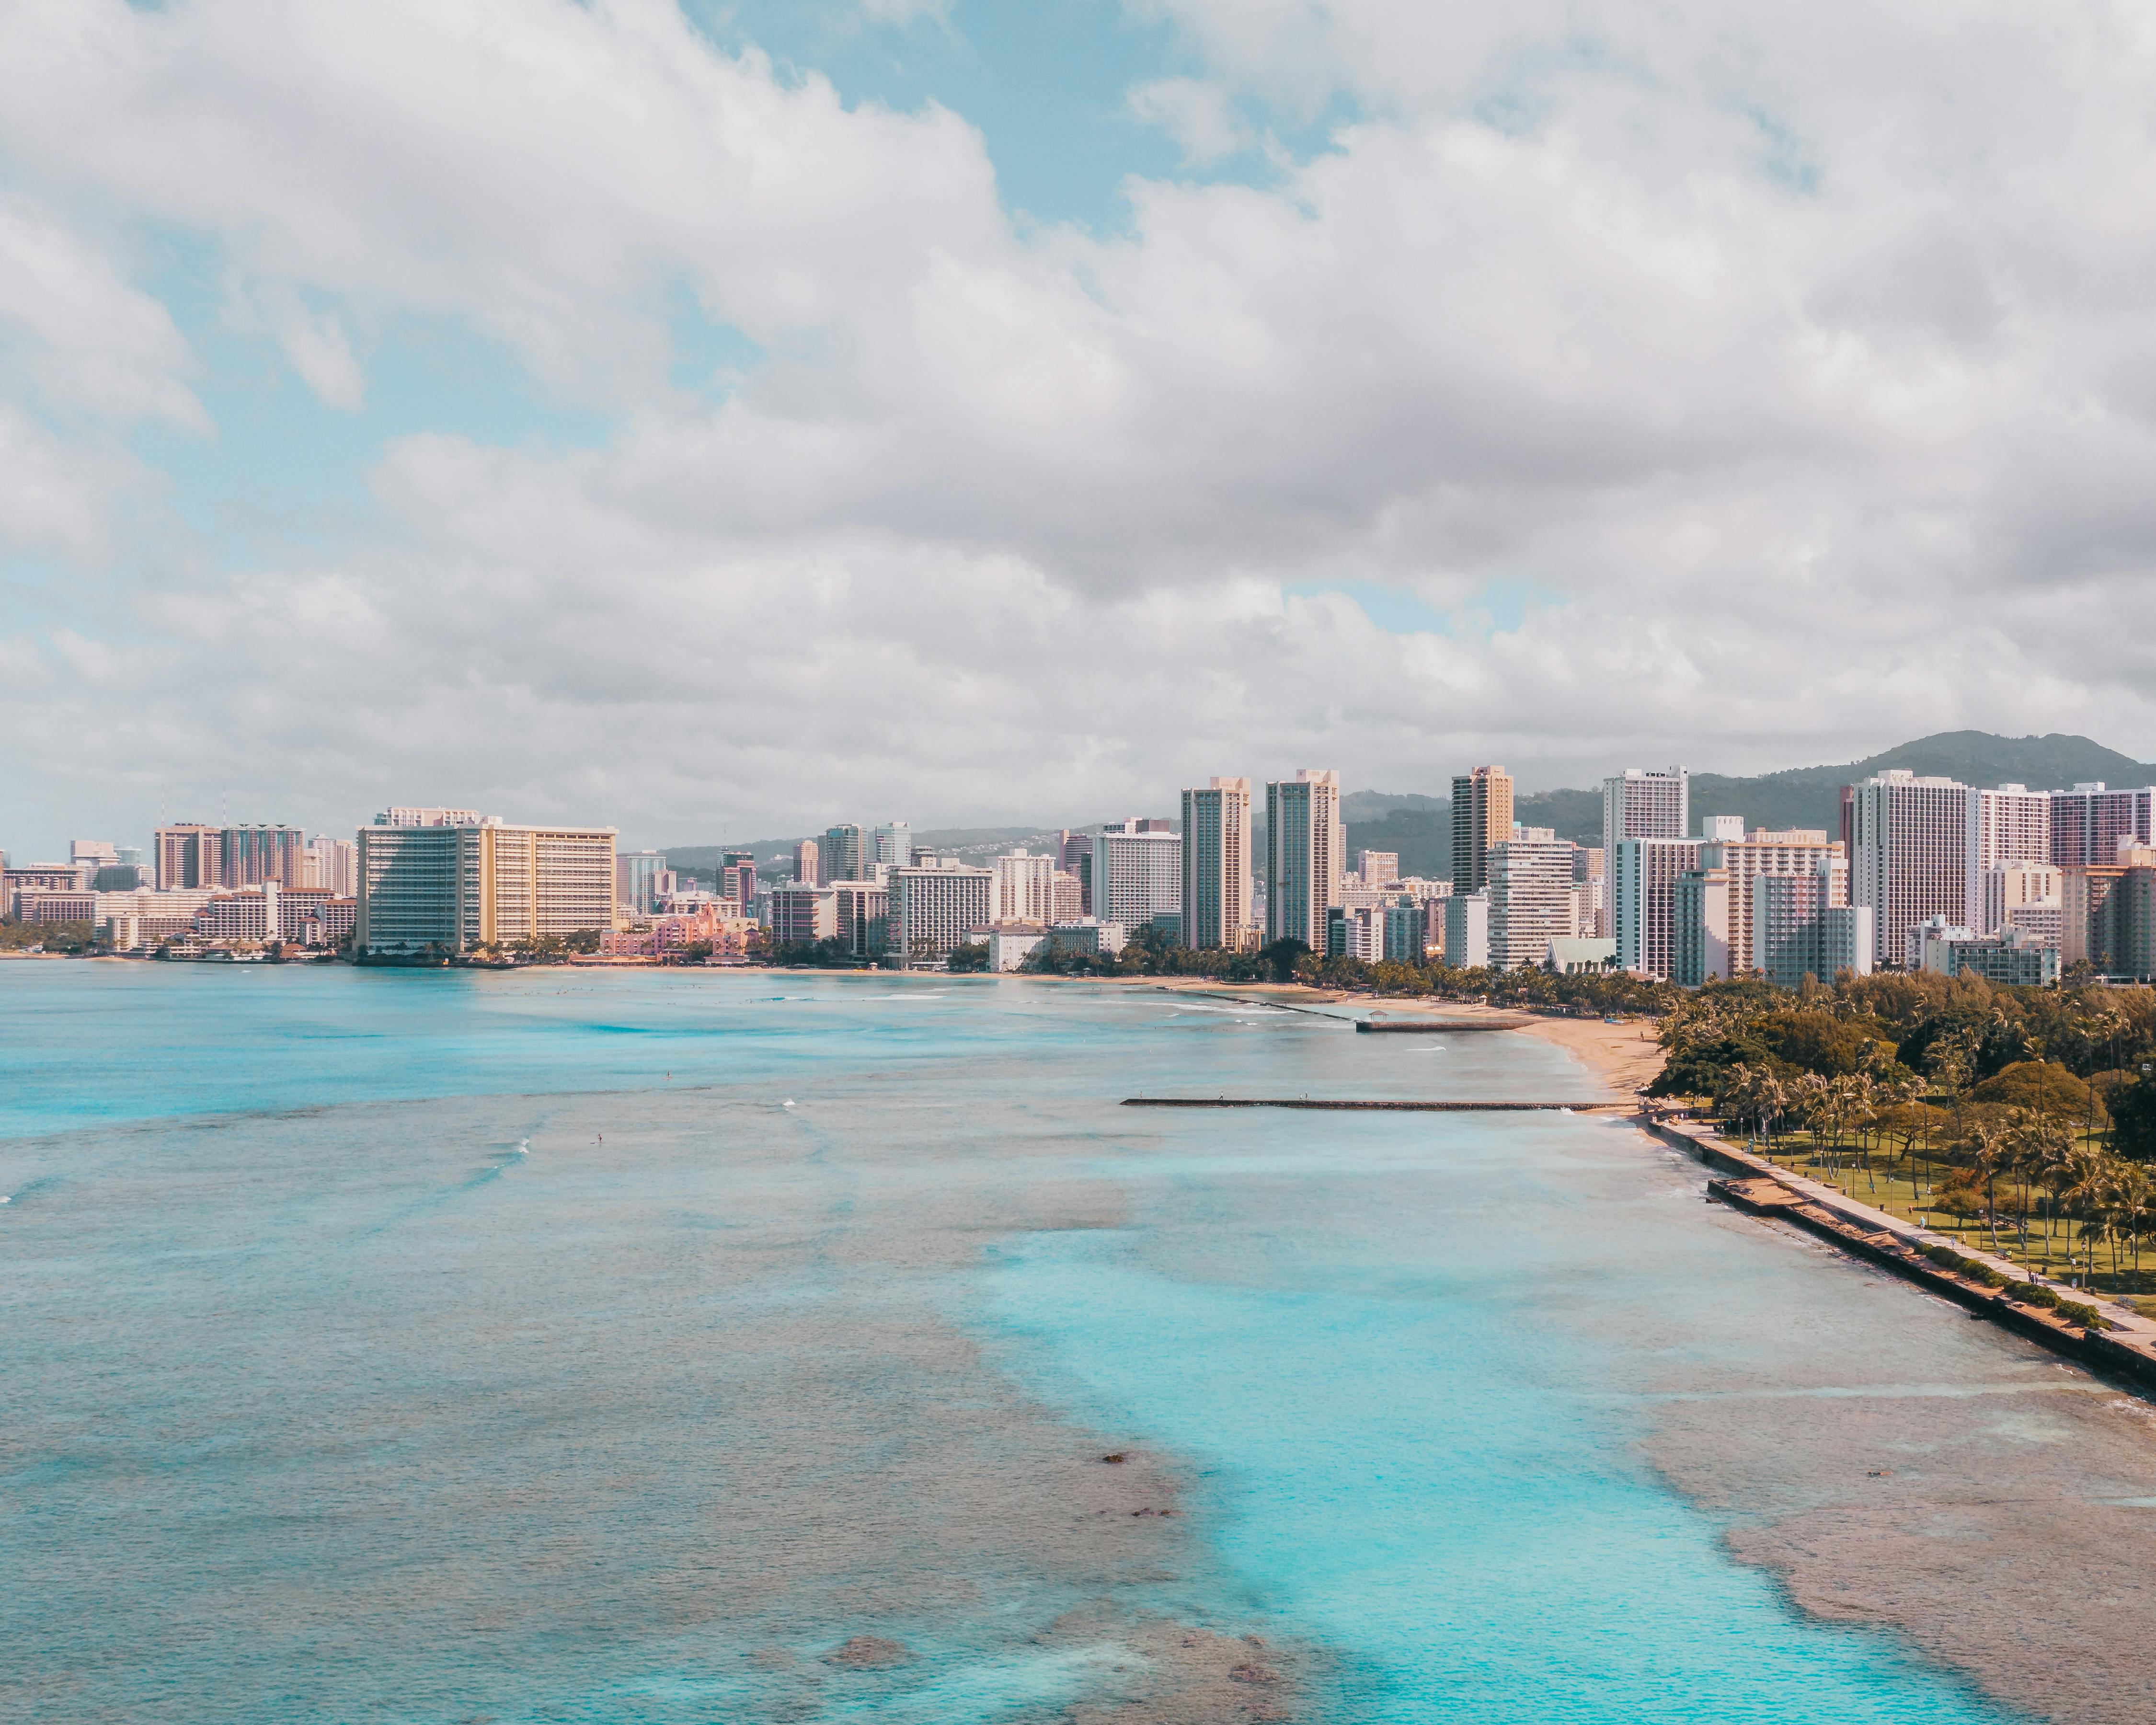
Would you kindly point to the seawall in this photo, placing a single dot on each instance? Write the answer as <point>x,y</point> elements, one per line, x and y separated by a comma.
<point>2127,1348</point>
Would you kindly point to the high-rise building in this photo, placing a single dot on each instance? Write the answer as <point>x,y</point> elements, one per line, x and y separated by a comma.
<point>189,855</point>
<point>1638,805</point>
<point>894,846</point>
<point>1306,855</point>
<point>2087,930</point>
<point>1378,868</point>
<point>1912,860</point>
<point>2008,887</point>
<point>863,916</point>
<point>1074,854</point>
<point>2088,821</point>
<point>808,864</point>
<point>1798,930</point>
<point>1643,901</point>
<point>845,853</point>
<point>1748,860</point>
<point>1137,874</point>
<point>803,915</point>
<point>1216,863</point>
<point>1530,897</point>
<point>933,910</point>
<point>636,880</point>
<point>1467,929</point>
<point>254,855</point>
<point>1481,816</point>
<point>736,876</point>
<point>2011,825</point>
<point>1025,888</point>
<point>330,865</point>
<point>1070,894</point>
<point>1700,953</point>
<point>94,853</point>
<point>429,818</point>
<point>453,888</point>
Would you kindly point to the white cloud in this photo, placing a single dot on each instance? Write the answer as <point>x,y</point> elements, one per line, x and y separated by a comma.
<point>1198,115</point>
<point>1801,361</point>
<point>316,343</point>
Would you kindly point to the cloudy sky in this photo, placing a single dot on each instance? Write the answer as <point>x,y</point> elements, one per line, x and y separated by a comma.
<point>716,420</point>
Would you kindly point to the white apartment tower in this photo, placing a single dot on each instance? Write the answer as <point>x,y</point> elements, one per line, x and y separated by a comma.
<point>1025,888</point>
<point>1530,902</point>
<point>1306,855</point>
<point>1911,861</point>
<point>933,910</point>
<point>1638,805</point>
<point>1137,873</point>
<point>1216,863</point>
<point>2011,825</point>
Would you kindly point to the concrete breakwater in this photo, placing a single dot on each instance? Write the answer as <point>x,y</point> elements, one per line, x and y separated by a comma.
<point>1349,1103</point>
<point>2126,1346</point>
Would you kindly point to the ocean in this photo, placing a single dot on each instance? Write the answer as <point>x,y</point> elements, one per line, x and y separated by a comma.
<point>687,1346</point>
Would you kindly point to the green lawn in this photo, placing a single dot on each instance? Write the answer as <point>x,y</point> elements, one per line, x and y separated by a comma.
<point>1903,1185</point>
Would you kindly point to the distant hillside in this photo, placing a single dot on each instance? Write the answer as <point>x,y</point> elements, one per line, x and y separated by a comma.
<point>1810,796</point>
<point>1418,827</point>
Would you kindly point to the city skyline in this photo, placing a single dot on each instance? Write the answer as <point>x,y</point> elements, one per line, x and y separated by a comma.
<point>998,415</point>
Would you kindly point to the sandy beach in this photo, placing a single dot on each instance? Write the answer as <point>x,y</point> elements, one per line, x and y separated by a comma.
<point>1619,1058</point>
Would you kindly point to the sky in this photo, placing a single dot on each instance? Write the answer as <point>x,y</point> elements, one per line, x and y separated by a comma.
<point>717,420</point>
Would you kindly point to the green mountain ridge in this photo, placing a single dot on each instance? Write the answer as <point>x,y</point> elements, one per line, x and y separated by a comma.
<point>1418,827</point>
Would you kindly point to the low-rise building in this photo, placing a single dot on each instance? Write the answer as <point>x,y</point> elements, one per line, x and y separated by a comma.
<point>1088,934</point>
<point>54,906</point>
<point>1582,954</point>
<point>2009,959</point>
<point>1010,944</point>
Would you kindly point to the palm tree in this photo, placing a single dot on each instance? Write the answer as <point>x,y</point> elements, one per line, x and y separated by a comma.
<point>1990,1155</point>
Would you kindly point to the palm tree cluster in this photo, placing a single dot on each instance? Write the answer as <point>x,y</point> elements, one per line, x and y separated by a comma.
<point>2012,1167</point>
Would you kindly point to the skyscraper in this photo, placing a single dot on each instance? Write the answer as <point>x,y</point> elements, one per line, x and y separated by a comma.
<point>2088,821</point>
<point>894,846</point>
<point>1216,863</point>
<point>1638,804</point>
<point>1481,816</point>
<point>1305,855</point>
<point>189,855</point>
<point>808,864</point>
<point>2011,825</point>
<point>636,878</point>
<point>1911,861</point>
<point>845,855</point>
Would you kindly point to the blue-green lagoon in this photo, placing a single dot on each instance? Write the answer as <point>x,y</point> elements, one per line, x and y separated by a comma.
<point>688,1346</point>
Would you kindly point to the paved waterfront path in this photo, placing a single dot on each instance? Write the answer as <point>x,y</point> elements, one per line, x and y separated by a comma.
<point>2125,1326</point>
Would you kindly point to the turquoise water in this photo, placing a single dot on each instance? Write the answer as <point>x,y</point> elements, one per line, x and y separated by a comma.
<point>597,1347</point>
